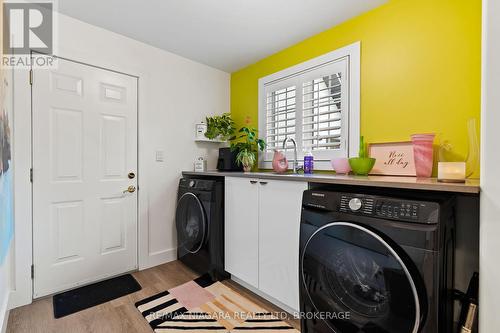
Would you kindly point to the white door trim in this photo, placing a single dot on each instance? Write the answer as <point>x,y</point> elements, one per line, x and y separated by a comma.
<point>22,292</point>
<point>489,272</point>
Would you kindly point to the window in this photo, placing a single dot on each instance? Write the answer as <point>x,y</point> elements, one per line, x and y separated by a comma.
<point>317,104</point>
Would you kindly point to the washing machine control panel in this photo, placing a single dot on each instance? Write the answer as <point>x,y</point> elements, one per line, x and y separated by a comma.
<point>405,210</point>
<point>355,204</point>
<point>389,208</point>
<point>361,204</point>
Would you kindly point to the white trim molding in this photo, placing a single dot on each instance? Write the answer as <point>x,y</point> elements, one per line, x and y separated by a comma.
<point>4,321</point>
<point>5,311</point>
<point>264,295</point>
<point>6,290</point>
<point>21,155</point>
<point>489,244</point>
<point>350,144</point>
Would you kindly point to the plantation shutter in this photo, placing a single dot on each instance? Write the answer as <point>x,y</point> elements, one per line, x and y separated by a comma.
<point>322,113</point>
<point>280,116</point>
<point>311,107</point>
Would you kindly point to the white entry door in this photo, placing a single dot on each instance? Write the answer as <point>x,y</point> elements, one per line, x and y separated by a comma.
<point>84,160</point>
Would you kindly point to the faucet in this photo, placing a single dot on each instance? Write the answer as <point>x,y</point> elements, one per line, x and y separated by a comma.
<point>296,168</point>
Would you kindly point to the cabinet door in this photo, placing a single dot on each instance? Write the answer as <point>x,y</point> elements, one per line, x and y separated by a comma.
<point>242,229</point>
<point>280,206</point>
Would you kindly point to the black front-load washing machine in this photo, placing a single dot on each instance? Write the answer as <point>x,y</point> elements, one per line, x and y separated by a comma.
<point>370,263</point>
<point>199,220</point>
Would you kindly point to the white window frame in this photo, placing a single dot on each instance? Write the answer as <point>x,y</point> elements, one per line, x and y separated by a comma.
<point>353,54</point>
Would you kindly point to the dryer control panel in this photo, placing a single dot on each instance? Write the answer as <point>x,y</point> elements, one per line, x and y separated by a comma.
<point>389,208</point>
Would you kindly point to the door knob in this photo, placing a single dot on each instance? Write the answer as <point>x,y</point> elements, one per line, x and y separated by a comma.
<point>130,189</point>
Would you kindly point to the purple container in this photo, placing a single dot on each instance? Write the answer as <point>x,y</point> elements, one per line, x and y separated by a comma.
<point>308,163</point>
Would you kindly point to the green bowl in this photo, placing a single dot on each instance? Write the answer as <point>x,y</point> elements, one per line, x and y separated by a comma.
<point>361,166</point>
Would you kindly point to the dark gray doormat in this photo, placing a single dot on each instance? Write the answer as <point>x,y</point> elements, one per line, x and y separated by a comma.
<point>72,301</point>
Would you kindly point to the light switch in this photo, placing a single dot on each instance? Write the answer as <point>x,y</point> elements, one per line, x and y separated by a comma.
<point>159,156</point>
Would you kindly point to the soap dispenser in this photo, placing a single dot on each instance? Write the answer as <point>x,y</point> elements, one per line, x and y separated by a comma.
<point>308,163</point>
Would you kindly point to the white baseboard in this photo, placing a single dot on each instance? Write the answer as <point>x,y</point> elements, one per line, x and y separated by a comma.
<point>4,315</point>
<point>264,295</point>
<point>3,327</point>
<point>158,258</point>
<point>20,298</point>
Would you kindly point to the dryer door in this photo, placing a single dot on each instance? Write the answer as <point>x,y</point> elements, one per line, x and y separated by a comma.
<point>191,223</point>
<point>357,281</point>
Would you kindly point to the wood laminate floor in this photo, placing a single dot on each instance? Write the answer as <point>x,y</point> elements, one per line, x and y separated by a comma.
<point>119,315</point>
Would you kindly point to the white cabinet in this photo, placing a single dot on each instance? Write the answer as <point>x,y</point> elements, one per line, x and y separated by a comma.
<point>280,205</point>
<point>262,235</point>
<point>242,229</point>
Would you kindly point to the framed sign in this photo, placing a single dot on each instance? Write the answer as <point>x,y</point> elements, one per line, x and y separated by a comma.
<point>393,158</point>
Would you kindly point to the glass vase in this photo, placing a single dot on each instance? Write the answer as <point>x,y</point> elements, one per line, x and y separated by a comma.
<point>423,154</point>
<point>472,160</point>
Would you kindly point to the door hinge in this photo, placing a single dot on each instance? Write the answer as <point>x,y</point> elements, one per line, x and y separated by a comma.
<point>31,175</point>
<point>31,77</point>
<point>32,272</point>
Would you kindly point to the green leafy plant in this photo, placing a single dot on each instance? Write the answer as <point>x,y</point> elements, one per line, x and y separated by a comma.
<point>247,144</point>
<point>220,127</point>
<point>362,147</point>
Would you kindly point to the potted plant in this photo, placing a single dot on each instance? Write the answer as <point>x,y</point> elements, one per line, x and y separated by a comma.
<point>247,144</point>
<point>362,165</point>
<point>220,127</point>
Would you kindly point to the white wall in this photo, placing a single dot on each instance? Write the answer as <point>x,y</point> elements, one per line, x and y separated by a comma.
<point>174,94</point>
<point>489,295</point>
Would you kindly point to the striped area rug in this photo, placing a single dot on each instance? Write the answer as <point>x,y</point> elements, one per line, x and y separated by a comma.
<point>202,305</point>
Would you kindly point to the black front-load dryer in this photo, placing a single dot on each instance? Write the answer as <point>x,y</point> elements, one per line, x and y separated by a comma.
<point>199,222</point>
<point>376,264</point>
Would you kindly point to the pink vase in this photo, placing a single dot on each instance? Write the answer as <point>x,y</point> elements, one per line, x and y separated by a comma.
<point>280,163</point>
<point>423,153</point>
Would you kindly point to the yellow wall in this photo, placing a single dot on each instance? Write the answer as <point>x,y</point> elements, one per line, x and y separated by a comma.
<point>420,69</point>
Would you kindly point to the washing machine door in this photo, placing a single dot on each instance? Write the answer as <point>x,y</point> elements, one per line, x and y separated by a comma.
<point>191,223</point>
<point>357,281</point>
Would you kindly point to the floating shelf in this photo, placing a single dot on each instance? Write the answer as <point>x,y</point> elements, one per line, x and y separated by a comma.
<point>210,140</point>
